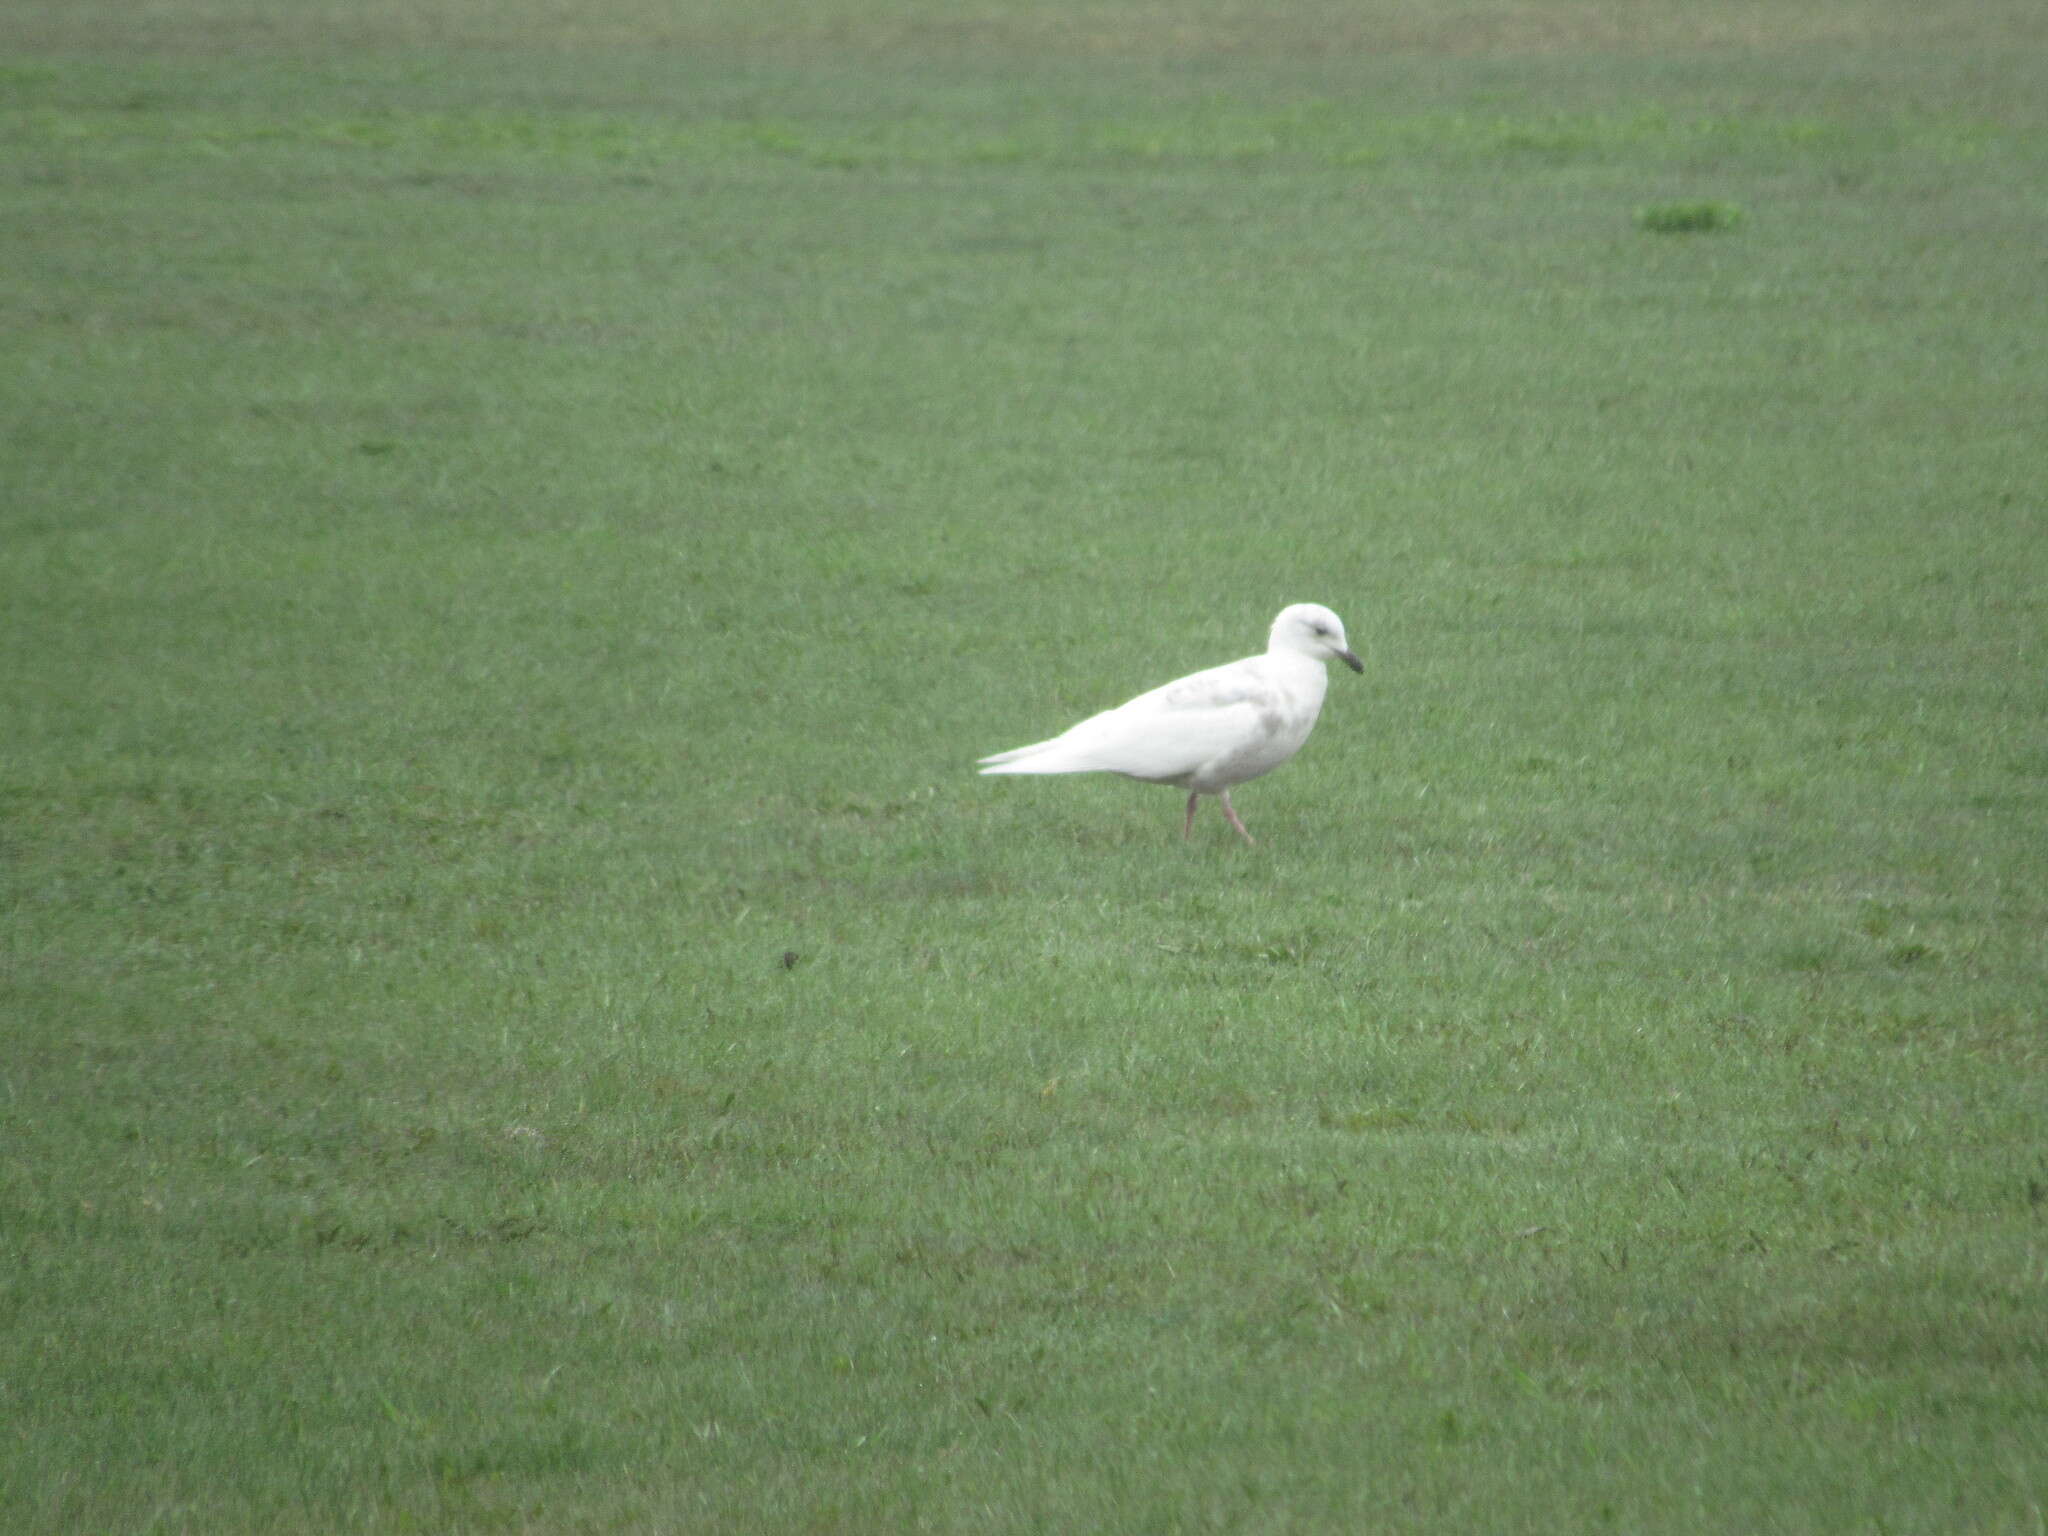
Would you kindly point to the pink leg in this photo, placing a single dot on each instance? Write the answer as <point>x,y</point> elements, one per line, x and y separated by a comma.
<point>1231,812</point>
<point>1188,825</point>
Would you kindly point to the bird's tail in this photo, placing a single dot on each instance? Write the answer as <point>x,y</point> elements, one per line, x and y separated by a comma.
<point>1008,762</point>
<point>1036,758</point>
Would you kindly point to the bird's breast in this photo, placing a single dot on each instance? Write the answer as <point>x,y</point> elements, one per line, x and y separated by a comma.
<point>1276,728</point>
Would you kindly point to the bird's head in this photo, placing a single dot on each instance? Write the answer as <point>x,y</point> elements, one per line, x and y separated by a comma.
<point>1314,631</point>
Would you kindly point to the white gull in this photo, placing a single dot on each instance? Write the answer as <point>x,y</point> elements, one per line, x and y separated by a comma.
<point>1210,729</point>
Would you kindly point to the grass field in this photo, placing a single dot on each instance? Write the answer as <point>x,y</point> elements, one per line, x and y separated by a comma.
<point>519,1015</point>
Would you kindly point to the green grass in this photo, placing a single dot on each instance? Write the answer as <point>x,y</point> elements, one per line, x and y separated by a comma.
<point>520,1016</point>
<point>1687,218</point>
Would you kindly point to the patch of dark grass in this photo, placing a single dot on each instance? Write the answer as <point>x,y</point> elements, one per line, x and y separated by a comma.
<point>1696,217</point>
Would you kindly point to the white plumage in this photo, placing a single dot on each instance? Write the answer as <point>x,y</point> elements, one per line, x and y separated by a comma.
<point>1210,730</point>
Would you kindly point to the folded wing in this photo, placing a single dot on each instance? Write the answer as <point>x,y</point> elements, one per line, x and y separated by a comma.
<point>1162,736</point>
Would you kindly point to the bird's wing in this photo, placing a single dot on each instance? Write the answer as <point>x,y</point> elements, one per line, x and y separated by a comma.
<point>1237,682</point>
<point>1161,735</point>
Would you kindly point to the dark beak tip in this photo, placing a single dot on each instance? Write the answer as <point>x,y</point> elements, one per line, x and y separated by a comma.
<point>1353,662</point>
